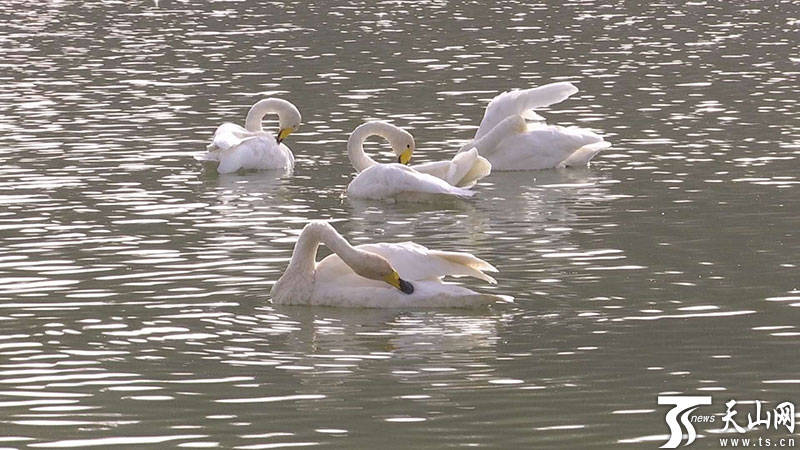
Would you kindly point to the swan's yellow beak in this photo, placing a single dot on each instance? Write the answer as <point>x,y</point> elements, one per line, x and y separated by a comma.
<point>395,280</point>
<point>283,133</point>
<point>405,157</point>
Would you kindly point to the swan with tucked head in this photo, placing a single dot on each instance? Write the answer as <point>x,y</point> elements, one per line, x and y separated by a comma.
<point>395,181</point>
<point>377,275</point>
<point>539,146</point>
<point>401,141</point>
<point>234,148</point>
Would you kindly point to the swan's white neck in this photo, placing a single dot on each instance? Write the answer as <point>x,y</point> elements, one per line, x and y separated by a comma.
<point>488,143</point>
<point>355,145</point>
<point>263,107</point>
<point>304,257</point>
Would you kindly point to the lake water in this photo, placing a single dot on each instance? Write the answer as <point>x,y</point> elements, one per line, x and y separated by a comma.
<point>134,286</point>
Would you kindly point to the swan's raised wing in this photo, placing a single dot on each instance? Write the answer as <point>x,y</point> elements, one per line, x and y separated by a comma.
<point>413,262</point>
<point>383,181</point>
<point>522,103</point>
<point>464,170</point>
<point>227,135</point>
<point>542,147</point>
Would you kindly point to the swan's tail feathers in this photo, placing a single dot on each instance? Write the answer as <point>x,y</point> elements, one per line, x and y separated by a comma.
<point>467,168</point>
<point>505,299</point>
<point>522,102</point>
<point>583,155</point>
<point>210,156</point>
<point>466,265</point>
<point>463,193</point>
<point>482,168</point>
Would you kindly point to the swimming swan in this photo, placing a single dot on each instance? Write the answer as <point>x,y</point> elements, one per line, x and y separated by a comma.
<point>395,181</point>
<point>377,275</point>
<point>540,146</point>
<point>251,147</point>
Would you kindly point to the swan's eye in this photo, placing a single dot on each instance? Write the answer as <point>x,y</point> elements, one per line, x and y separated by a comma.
<point>408,145</point>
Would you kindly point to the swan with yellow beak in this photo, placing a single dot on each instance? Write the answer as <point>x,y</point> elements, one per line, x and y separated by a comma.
<point>234,148</point>
<point>382,275</point>
<point>397,181</point>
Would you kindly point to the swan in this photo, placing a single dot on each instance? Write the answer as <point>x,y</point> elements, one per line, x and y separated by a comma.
<point>252,148</point>
<point>539,146</point>
<point>397,181</point>
<point>380,275</point>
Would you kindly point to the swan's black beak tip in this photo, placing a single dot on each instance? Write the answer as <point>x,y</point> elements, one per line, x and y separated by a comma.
<point>406,287</point>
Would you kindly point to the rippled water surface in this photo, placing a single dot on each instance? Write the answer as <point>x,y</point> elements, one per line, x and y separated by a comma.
<point>134,286</point>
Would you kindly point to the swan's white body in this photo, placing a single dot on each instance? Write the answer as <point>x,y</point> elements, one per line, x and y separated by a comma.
<point>397,181</point>
<point>235,148</point>
<point>539,146</point>
<point>335,281</point>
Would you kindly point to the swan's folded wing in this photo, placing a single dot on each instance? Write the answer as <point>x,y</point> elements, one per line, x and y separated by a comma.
<point>582,156</point>
<point>521,102</point>
<point>439,169</point>
<point>256,152</point>
<point>415,262</point>
<point>469,167</point>
<point>226,136</point>
<point>392,180</point>
<point>541,147</point>
<point>464,170</point>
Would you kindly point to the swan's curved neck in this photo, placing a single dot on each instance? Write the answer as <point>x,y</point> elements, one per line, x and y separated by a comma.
<point>257,112</point>
<point>488,143</point>
<point>304,257</point>
<point>355,145</point>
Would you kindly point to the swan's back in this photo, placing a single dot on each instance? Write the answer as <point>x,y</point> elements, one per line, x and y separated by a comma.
<point>542,147</point>
<point>413,262</point>
<point>335,284</point>
<point>260,152</point>
<point>394,180</point>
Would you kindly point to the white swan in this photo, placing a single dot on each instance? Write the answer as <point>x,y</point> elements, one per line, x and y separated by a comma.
<point>540,146</point>
<point>252,148</point>
<point>377,275</point>
<point>397,181</point>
